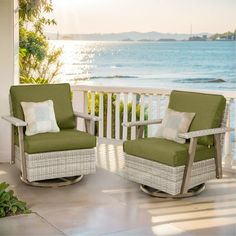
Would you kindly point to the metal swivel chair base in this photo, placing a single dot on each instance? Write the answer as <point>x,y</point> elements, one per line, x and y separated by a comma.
<point>53,183</point>
<point>156,193</point>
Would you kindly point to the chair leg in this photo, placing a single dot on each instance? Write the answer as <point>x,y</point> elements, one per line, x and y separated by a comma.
<point>22,153</point>
<point>189,165</point>
<point>12,145</point>
<point>218,160</point>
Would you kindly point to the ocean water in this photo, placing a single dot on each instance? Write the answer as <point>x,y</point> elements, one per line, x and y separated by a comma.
<point>150,64</point>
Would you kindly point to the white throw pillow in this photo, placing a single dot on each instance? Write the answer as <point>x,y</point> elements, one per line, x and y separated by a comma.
<point>40,117</point>
<point>174,123</point>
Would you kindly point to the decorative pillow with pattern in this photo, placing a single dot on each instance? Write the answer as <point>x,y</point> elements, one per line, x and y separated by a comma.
<point>40,117</point>
<point>173,124</point>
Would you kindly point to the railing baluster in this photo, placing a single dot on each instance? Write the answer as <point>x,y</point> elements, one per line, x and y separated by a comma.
<point>84,110</point>
<point>117,117</point>
<point>85,99</point>
<point>158,106</point>
<point>142,107</point>
<point>125,116</point>
<point>150,133</point>
<point>156,110</point>
<point>227,146</point>
<point>109,115</point>
<point>75,100</point>
<point>133,118</point>
<point>92,103</point>
<point>93,108</point>
<point>101,115</point>
<point>234,126</point>
<point>80,104</point>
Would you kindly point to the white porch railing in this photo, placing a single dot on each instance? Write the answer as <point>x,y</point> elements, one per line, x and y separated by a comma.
<point>148,103</point>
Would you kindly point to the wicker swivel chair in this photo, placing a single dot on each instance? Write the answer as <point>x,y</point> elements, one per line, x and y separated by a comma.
<point>165,168</point>
<point>64,156</point>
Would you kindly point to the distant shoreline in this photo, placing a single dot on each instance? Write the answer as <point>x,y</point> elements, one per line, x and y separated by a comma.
<point>144,37</point>
<point>140,41</point>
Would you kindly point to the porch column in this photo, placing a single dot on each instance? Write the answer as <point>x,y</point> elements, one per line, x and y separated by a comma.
<point>9,75</point>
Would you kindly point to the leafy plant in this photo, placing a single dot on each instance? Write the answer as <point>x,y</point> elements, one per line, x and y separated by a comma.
<point>9,204</point>
<point>39,63</point>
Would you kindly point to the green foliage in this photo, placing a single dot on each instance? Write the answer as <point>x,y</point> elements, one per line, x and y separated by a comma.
<point>9,204</point>
<point>26,80</point>
<point>227,35</point>
<point>121,108</point>
<point>38,62</point>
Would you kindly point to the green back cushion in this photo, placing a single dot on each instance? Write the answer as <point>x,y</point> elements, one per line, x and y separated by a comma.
<point>209,110</point>
<point>60,94</point>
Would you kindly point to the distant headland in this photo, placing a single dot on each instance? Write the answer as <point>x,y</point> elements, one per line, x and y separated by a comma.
<point>144,37</point>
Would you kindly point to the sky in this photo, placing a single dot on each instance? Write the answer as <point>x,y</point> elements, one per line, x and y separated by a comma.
<point>166,16</point>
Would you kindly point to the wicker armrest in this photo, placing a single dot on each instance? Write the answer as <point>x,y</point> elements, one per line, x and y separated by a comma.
<point>86,116</point>
<point>205,132</point>
<point>14,121</point>
<point>142,123</point>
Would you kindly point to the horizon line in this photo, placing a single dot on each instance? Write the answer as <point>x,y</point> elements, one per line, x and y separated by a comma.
<point>141,32</point>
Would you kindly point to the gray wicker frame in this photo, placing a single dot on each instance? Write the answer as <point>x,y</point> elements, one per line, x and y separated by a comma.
<point>176,181</point>
<point>53,165</point>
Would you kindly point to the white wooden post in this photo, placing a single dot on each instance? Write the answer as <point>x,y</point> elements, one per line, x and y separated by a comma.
<point>158,106</point>
<point>227,145</point>
<point>109,115</point>
<point>80,104</point>
<point>150,110</point>
<point>93,108</point>
<point>9,68</point>
<point>117,117</point>
<point>101,108</point>
<point>142,106</point>
<point>234,126</point>
<point>133,118</point>
<point>125,116</point>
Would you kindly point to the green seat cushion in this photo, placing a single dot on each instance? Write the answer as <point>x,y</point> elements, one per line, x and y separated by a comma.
<point>68,139</point>
<point>60,94</point>
<point>165,151</point>
<point>209,110</point>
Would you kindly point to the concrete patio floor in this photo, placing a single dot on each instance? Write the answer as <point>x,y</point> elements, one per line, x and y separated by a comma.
<point>106,204</point>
